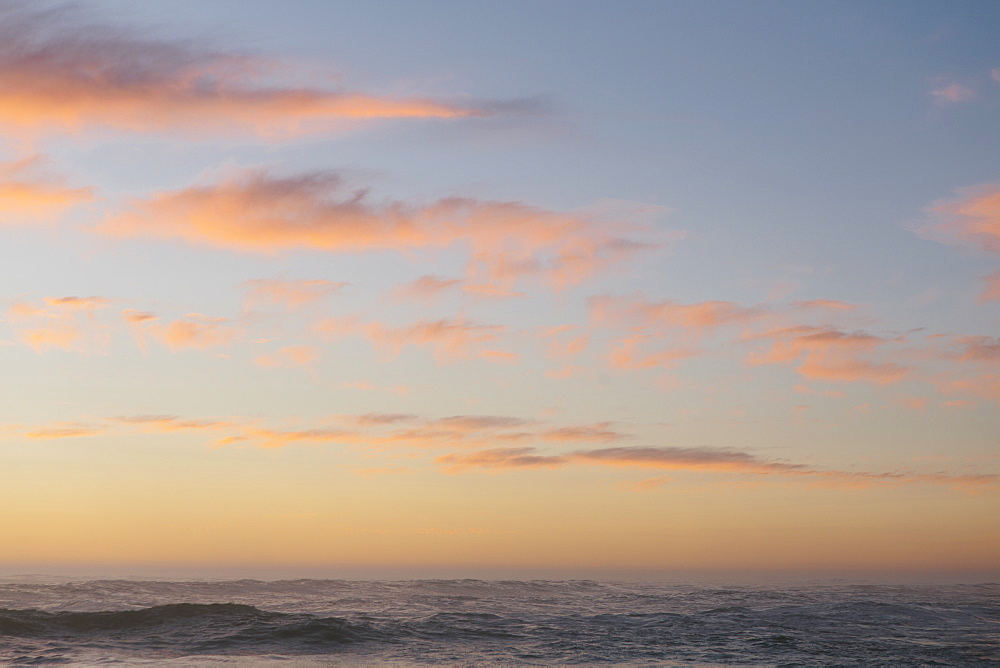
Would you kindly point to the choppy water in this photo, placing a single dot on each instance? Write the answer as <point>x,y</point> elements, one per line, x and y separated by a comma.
<point>306,622</point>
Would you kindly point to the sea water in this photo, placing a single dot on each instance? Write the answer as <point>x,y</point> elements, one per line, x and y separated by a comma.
<point>479,622</point>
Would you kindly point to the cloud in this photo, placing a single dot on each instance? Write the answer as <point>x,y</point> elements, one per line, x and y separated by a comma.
<point>991,292</point>
<point>78,303</point>
<point>829,354</point>
<point>59,72</point>
<point>973,218</point>
<point>625,355</point>
<point>170,423</point>
<point>564,341</point>
<point>59,324</point>
<point>289,357</point>
<point>699,318</point>
<point>288,294</point>
<point>193,331</point>
<point>380,419</point>
<point>28,195</point>
<point>65,430</point>
<point>598,432</point>
<point>978,349</point>
<point>426,288</point>
<point>705,460</point>
<point>255,211</point>
<point>269,438</point>
<point>954,93</point>
<point>985,386</point>
<point>450,339</point>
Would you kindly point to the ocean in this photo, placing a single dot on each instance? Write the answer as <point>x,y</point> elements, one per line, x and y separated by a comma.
<point>482,622</point>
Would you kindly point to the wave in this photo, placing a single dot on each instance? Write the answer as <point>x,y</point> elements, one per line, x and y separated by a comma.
<point>187,628</point>
<point>463,622</point>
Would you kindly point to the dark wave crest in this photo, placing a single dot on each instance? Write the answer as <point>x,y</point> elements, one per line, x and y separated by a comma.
<point>187,628</point>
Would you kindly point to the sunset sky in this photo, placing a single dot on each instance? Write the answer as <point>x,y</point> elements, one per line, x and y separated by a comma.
<point>555,286</point>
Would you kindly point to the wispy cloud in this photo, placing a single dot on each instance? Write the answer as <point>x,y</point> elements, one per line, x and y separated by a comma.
<point>827,353</point>
<point>194,331</point>
<point>953,93</point>
<point>65,430</point>
<point>66,323</point>
<point>699,318</point>
<point>259,212</point>
<point>28,194</point>
<point>705,460</point>
<point>991,291</point>
<point>972,218</point>
<point>289,357</point>
<point>58,71</point>
<point>450,339</point>
<point>286,293</point>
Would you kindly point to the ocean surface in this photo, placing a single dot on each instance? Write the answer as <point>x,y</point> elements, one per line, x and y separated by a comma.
<point>479,622</point>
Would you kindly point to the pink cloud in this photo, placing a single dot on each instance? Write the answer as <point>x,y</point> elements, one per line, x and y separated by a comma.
<point>952,94</point>
<point>450,339</point>
<point>699,318</point>
<point>991,292</point>
<point>625,354</point>
<point>507,241</point>
<point>599,432</point>
<point>564,341</point>
<point>289,357</point>
<point>426,288</point>
<point>289,294</point>
<point>171,423</point>
<point>830,354</point>
<point>28,195</point>
<point>707,460</point>
<point>59,324</point>
<point>65,430</point>
<point>57,72</point>
<point>972,218</point>
<point>194,331</point>
<point>985,386</point>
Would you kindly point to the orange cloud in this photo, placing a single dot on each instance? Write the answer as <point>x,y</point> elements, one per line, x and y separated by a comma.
<point>59,73</point>
<point>194,331</point>
<point>288,357</point>
<point>599,432</point>
<point>65,430</point>
<point>27,195</point>
<point>78,303</point>
<point>697,460</point>
<point>978,349</point>
<point>986,386</point>
<point>58,325</point>
<point>255,211</point>
<point>830,354</point>
<point>269,438</point>
<point>450,339</point>
<point>973,218</point>
<point>426,288</point>
<point>992,290</point>
<point>699,318</point>
<point>560,346</point>
<point>290,294</point>
<point>625,355</point>
<point>170,423</point>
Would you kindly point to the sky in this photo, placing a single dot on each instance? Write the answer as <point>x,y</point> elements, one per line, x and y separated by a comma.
<point>469,287</point>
